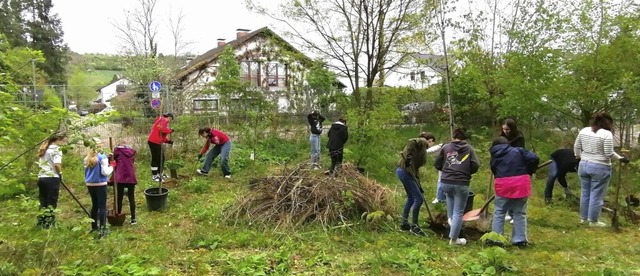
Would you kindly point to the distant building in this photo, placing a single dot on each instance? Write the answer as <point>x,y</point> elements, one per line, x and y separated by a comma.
<point>111,90</point>
<point>268,62</point>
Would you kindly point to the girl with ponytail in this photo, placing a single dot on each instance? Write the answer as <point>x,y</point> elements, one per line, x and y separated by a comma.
<point>49,177</point>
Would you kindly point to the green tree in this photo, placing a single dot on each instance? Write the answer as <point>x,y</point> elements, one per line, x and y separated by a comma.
<point>322,87</point>
<point>31,23</point>
<point>228,83</point>
<point>80,89</point>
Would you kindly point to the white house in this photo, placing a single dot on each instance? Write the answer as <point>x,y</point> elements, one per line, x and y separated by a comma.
<point>111,90</point>
<point>268,62</point>
<point>421,71</point>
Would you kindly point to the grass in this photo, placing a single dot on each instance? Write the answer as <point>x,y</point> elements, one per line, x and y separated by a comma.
<point>192,237</point>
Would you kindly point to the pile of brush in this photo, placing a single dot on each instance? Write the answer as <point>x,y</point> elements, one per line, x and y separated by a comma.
<point>301,195</point>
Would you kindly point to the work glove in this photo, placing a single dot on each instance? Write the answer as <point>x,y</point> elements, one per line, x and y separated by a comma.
<point>624,160</point>
<point>112,164</point>
<point>199,156</point>
<point>170,142</point>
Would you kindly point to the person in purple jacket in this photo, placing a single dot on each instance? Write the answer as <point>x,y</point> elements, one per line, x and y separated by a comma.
<point>512,168</point>
<point>125,175</point>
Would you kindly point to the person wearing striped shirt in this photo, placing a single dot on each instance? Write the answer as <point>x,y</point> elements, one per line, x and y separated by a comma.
<point>594,148</point>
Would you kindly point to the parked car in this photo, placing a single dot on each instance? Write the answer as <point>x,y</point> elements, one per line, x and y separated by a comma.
<point>417,112</point>
<point>83,112</point>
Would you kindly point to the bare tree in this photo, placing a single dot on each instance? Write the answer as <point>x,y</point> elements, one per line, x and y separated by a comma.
<point>360,39</point>
<point>176,25</point>
<point>139,30</point>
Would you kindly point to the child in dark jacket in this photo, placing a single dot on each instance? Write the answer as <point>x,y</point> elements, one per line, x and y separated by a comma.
<point>563,161</point>
<point>124,174</point>
<point>512,168</point>
<point>338,136</point>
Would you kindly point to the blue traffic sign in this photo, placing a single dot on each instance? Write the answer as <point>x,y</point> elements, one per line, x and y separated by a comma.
<point>155,103</point>
<point>155,86</point>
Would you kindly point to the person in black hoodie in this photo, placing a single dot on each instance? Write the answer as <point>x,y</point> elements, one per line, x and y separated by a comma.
<point>457,161</point>
<point>562,162</point>
<point>511,132</point>
<point>315,126</point>
<point>338,136</point>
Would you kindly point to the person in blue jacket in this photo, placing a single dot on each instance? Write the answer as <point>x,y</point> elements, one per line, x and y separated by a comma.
<point>96,172</point>
<point>512,168</point>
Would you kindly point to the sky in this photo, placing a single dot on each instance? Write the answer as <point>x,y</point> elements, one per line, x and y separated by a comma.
<point>88,24</point>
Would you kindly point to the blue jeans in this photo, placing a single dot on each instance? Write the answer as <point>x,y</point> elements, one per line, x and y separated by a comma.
<point>414,196</point>
<point>439,193</point>
<point>456,201</point>
<point>98,206</point>
<point>222,150</point>
<point>518,206</point>
<point>314,139</point>
<point>594,179</point>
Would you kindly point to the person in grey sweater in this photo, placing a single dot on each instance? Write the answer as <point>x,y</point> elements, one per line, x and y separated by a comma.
<point>457,161</point>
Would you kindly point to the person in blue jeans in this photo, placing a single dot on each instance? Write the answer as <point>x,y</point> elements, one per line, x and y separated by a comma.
<point>315,127</point>
<point>458,161</point>
<point>96,172</point>
<point>413,157</point>
<point>221,146</point>
<point>594,148</point>
<point>512,168</point>
<point>563,161</point>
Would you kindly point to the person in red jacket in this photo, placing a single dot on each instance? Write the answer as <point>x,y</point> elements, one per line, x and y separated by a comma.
<point>222,147</point>
<point>158,135</point>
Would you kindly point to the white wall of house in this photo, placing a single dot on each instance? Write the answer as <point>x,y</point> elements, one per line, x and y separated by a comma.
<point>273,77</point>
<point>417,77</point>
<point>109,91</point>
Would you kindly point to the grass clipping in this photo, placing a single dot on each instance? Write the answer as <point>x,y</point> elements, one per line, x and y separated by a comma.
<point>302,196</point>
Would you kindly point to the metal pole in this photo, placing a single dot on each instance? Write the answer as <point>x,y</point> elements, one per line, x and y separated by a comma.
<point>446,64</point>
<point>64,95</point>
<point>33,81</point>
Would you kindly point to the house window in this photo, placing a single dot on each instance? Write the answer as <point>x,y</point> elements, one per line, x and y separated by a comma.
<point>412,76</point>
<point>276,74</point>
<point>251,72</point>
<point>205,104</point>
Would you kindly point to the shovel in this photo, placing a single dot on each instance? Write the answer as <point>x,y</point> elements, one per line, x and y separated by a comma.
<point>75,198</point>
<point>113,217</point>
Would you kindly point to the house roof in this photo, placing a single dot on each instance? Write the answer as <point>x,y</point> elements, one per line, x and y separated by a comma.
<point>209,56</point>
<point>110,83</point>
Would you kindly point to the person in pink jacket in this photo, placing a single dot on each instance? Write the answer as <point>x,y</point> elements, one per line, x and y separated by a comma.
<point>124,174</point>
<point>512,168</point>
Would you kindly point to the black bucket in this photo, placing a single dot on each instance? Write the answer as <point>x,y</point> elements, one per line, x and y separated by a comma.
<point>156,201</point>
<point>469,205</point>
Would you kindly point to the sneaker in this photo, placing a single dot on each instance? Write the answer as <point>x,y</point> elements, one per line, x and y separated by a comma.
<point>522,244</point>
<point>597,224</point>
<point>103,232</point>
<point>155,178</point>
<point>417,231</point>
<point>201,172</point>
<point>508,217</point>
<point>494,243</point>
<point>511,221</point>
<point>164,176</point>
<point>134,222</point>
<point>435,201</point>
<point>584,221</point>
<point>405,227</point>
<point>327,172</point>
<point>449,221</point>
<point>458,241</point>
<point>228,176</point>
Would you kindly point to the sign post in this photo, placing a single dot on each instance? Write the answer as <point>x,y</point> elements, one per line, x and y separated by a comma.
<point>155,87</point>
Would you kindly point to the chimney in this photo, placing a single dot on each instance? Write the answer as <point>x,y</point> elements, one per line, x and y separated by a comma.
<point>221,42</point>
<point>241,32</point>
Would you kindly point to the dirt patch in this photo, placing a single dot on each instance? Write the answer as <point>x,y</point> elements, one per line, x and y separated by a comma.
<point>469,231</point>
